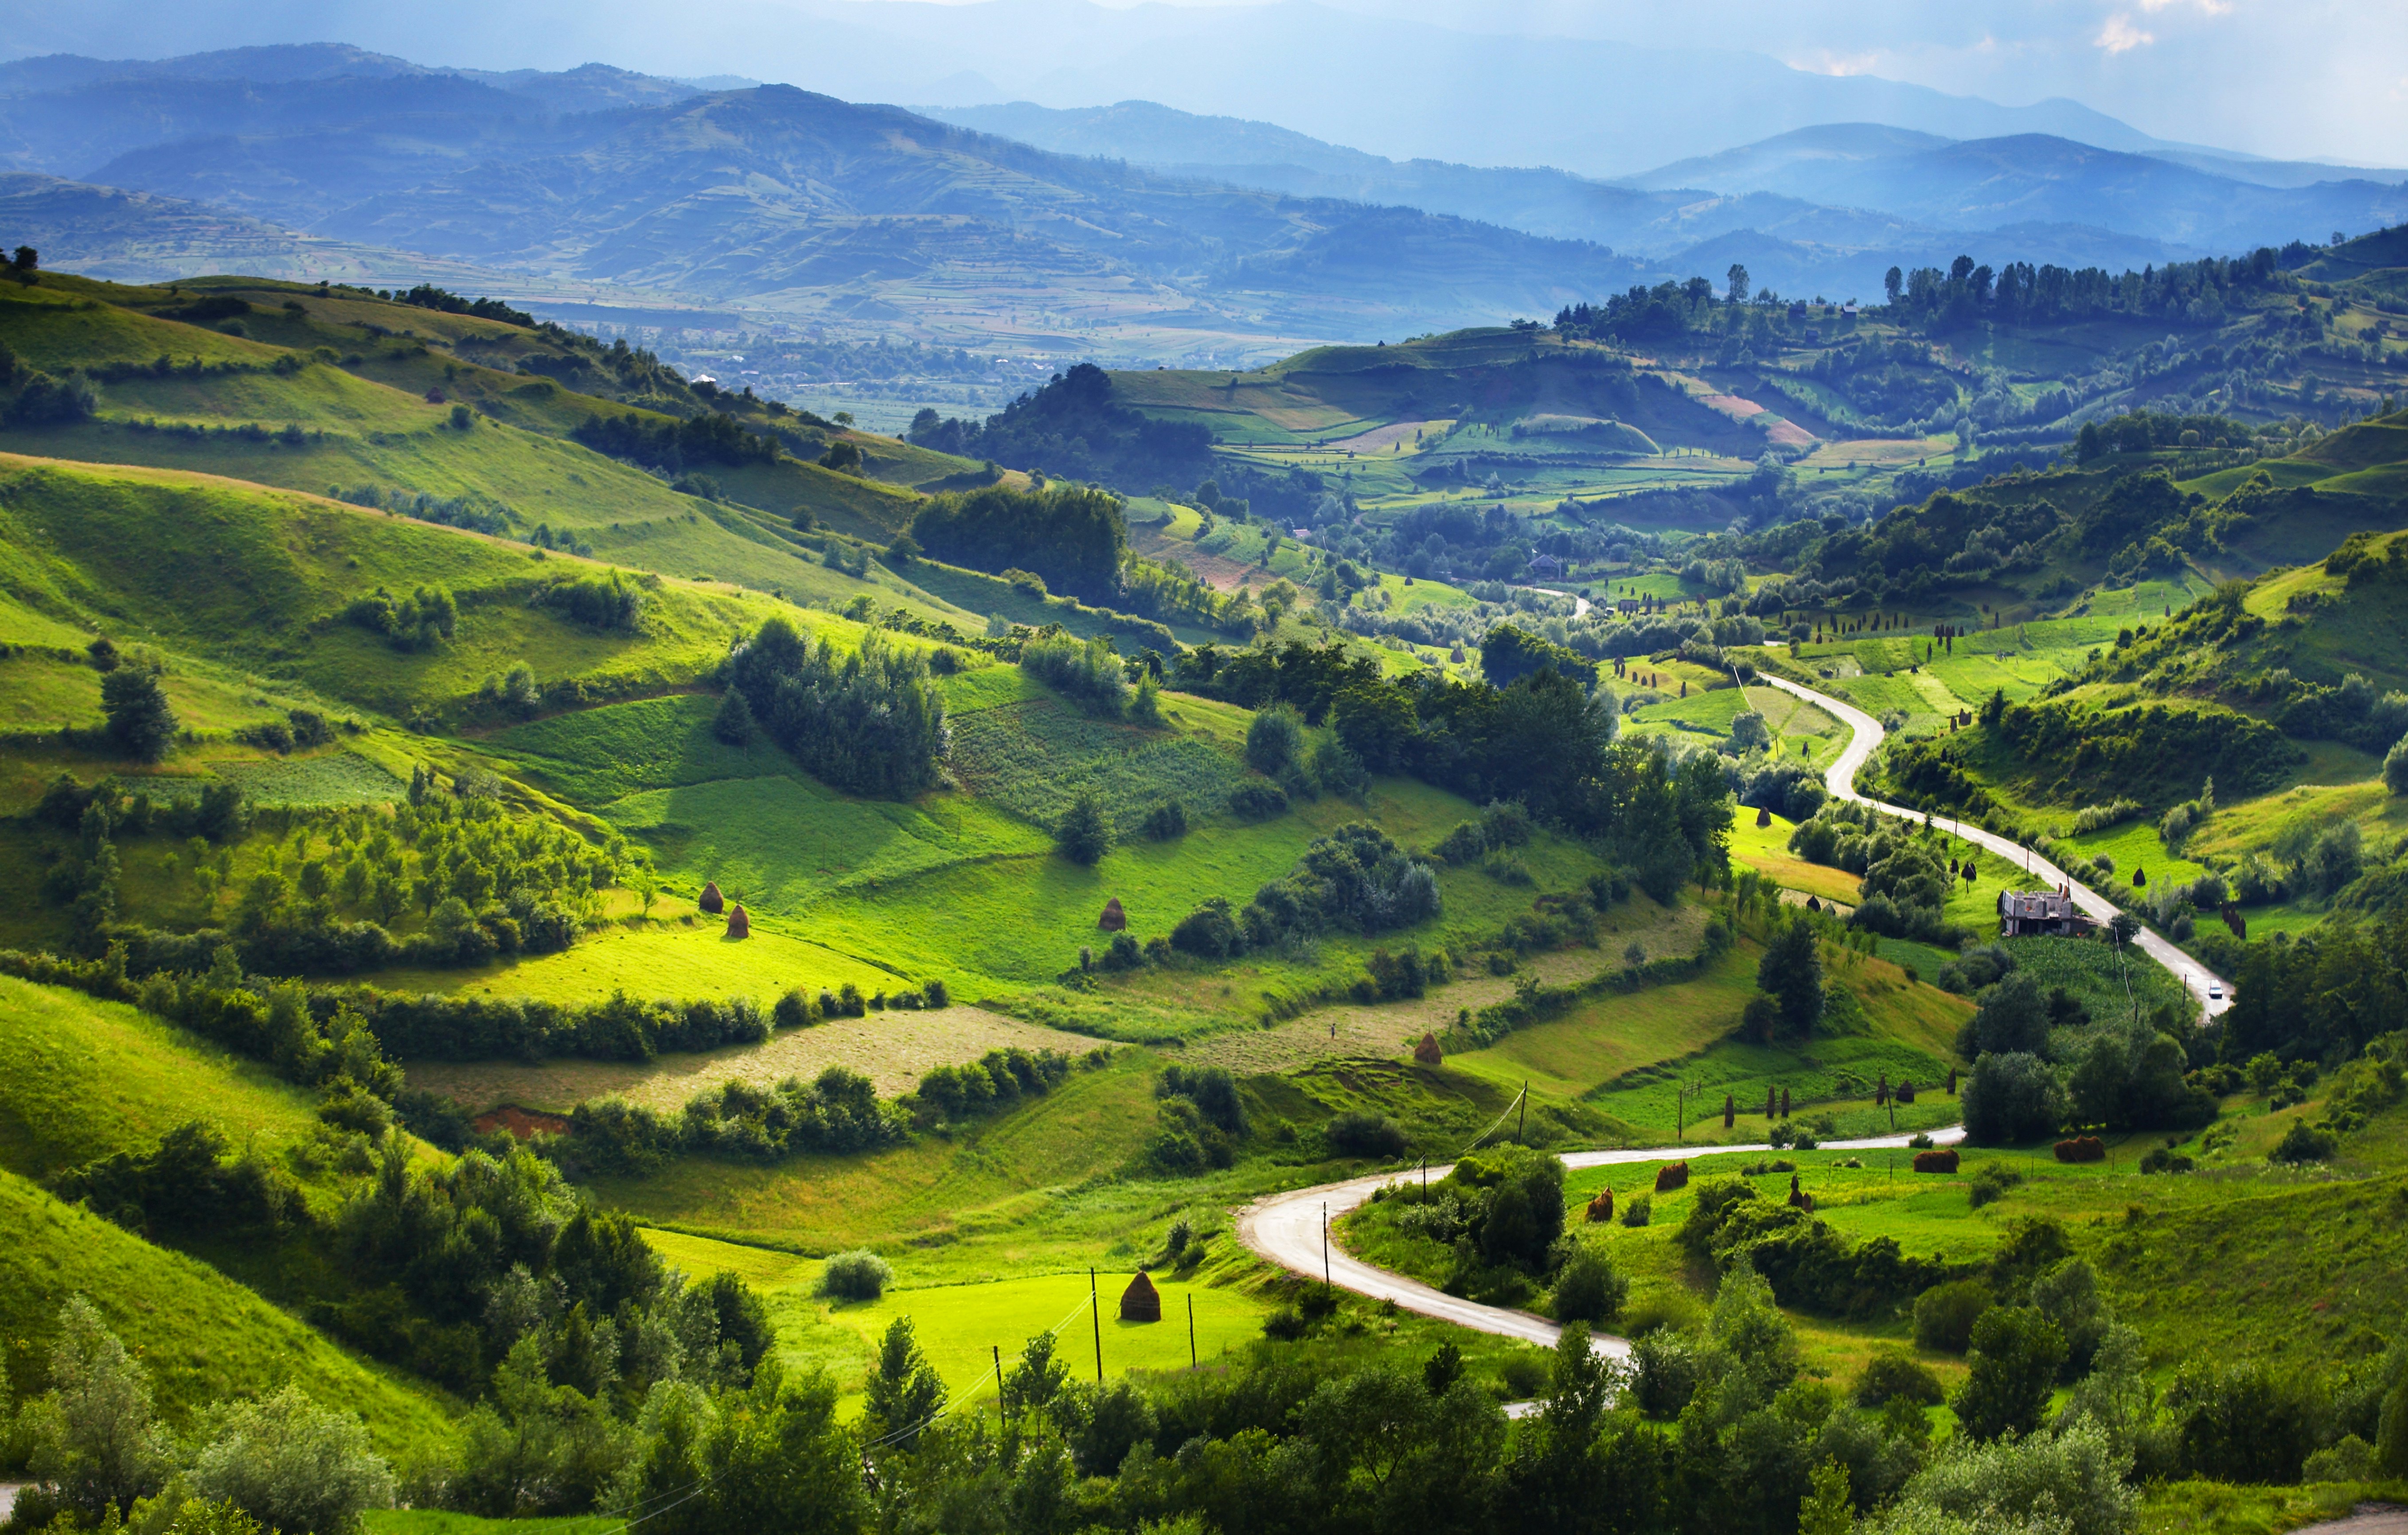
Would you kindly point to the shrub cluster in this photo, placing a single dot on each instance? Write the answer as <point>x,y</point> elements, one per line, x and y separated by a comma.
<point>1355,880</point>
<point>992,1082</point>
<point>873,721</point>
<point>837,1111</point>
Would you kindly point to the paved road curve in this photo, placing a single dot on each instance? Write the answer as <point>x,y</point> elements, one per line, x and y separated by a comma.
<point>2213,992</point>
<point>1287,1229</point>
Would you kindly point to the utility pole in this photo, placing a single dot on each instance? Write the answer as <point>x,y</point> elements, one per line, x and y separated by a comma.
<point>1325,1246</point>
<point>1095,1313</point>
<point>1190,1330</point>
<point>999,1380</point>
<point>1523,1123</point>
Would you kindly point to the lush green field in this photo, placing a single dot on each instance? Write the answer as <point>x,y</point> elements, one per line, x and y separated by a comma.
<point>203,1336</point>
<point>81,1080</point>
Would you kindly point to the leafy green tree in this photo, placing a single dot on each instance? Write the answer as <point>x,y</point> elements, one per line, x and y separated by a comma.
<point>2011,1015</point>
<point>732,723</point>
<point>904,1391</point>
<point>292,1464</point>
<point>2015,1356</point>
<point>1791,972</point>
<point>2395,767</point>
<point>1826,1510</point>
<point>2012,1097</point>
<point>140,723</point>
<point>1083,836</point>
<point>1274,739</point>
<point>93,1436</point>
<point>1588,1289</point>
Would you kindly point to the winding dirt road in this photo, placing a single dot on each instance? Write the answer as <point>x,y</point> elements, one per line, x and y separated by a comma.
<point>1288,1229</point>
<point>2213,992</point>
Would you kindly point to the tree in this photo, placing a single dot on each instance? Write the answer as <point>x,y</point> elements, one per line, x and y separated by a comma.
<point>2010,1097</point>
<point>2395,767</point>
<point>1082,834</point>
<point>2015,1356</point>
<point>1825,1511</point>
<point>733,723</point>
<point>139,720</point>
<point>1737,279</point>
<point>904,1391</point>
<point>2010,1016</point>
<point>1274,739</point>
<point>292,1464</point>
<point>92,1435</point>
<point>1892,283</point>
<point>1791,972</point>
<point>1588,1289</point>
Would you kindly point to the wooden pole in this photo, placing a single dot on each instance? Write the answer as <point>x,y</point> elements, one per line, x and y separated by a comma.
<point>1522,1124</point>
<point>999,1379</point>
<point>1325,1246</point>
<point>1097,1316</point>
<point>1191,1329</point>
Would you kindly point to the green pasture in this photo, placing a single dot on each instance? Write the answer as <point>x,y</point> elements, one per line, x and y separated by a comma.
<point>202,1337</point>
<point>674,958</point>
<point>81,1080</point>
<point>1766,850</point>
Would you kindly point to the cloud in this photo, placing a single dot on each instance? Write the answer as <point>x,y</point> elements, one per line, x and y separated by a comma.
<point>2120,35</point>
<point>1823,61</point>
<point>2206,7</point>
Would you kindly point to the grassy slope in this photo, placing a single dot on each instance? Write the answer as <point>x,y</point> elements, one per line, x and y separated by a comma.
<point>203,1336</point>
<point>81,1078</point>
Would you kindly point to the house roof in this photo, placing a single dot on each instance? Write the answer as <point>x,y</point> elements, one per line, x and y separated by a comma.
<point>2036,906</point>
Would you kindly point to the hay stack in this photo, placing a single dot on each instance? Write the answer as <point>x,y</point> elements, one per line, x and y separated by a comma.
<point>1141,1301</point>
<point>1671,1175</point>
<point>1764,816</point>
<point>1427,1052</point>
<point>1943,1160</point>
<point>2082,1148</point>
<point>1114,920</point>
<point>1601,1210</point>
<point>710,899</point>
<point>739,925</point>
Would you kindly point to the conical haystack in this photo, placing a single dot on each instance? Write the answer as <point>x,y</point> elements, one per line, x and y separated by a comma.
<point>739,925</point>
<point>1141,1301</point>
<point>1114,920</point>
<point>1428,1053</point>
<point>710,899</point>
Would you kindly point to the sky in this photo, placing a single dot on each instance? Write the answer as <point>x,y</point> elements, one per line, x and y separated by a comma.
<point>2286,79</point>
<point>2283,79</point>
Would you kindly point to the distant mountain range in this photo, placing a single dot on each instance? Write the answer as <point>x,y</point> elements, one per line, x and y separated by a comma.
<point>1833,205</point>
<point>1396,87</point>
<point>772,198</point>
<point>1173,232</point>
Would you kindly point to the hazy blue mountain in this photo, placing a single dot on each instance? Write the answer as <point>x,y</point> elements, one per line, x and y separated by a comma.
<point>2036,179</point>
<point>1404,88</point>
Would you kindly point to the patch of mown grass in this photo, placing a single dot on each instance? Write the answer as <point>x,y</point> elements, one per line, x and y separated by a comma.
<point>1033,759</point>
<point>785,842</point>
<point>1599,1040</point>
<point>1766,850</point>
<point>673,957</point>
<point>591,756</point>
<point>202,1337</point>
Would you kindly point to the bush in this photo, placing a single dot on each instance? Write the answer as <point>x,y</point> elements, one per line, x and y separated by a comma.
<point>856,1275</point>
<point>1258,801</point>
<point>1991,1183</point>
<point>1944,1314</point>
<point>1640,1210</point>
<point>2015,1354</point>
<point>1895,1375</point>
<point>1275,740</point>
<point>1165,820</point>
<point>2395,767</point>
<point>2010,1097</point>
<point>1588,1289</point>
<point>1087,672</point>
<point>2246,1422</point>
<point>1082,834</point>
<point>1361,1134</point>
<point>292,1464</point>
<point>2303,1142</point>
